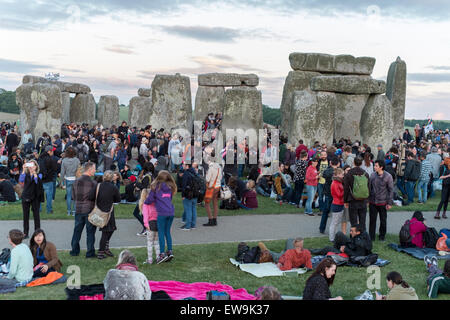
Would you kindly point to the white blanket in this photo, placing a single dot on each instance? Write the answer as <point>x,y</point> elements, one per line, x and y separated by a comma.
<point>267,269</point>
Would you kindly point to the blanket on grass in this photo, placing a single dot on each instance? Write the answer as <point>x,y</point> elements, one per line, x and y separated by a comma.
<point>50,278</point>
<point>317,259</point>
<point>197,290</point>
<point>418,253</point>
<point>267,269</point>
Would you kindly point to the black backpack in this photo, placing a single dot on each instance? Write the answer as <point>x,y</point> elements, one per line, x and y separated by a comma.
<point>430,237</point>
<point>252,255</point>
<point>242,250</point>
<point>230,204</point>
<point>195,188</point>
<point>404,234</point>
<point>415,173</point>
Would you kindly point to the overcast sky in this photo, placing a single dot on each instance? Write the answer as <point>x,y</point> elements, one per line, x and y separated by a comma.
<point>117,46</point>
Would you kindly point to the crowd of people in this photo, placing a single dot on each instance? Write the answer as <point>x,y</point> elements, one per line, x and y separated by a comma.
<point>346,179</point>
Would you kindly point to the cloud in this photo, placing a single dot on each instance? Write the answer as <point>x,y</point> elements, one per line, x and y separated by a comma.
<point>14,66</point>
<point>429,77</point>
<point>120,49</point>
<point>418,107</point>
<point>439,68</point>
<point>202,33</point>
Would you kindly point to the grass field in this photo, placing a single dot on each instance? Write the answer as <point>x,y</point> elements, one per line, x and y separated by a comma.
<point>125,211</point>
<point>210,263</point>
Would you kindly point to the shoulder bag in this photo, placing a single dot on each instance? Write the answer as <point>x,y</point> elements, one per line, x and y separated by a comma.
<point>98,217</point>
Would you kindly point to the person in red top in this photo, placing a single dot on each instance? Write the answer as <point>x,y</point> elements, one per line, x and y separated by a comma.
<point>337,206</point>
<point>295,258</point>
<point>417,229</point>
<point>312,180</point>
<point>300,148</point>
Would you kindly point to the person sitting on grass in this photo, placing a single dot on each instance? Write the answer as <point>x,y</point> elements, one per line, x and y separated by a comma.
<point>398,288</point>
<point>296,257</point>
<point>7,192</point>
<point>21,265</point>
<point>267,293</point>
<point>439,280</point>
<point>125,282</point>
<point>417,229</point>
<point>249,198</point>
<point>318,284</point>
<point>45,257</point>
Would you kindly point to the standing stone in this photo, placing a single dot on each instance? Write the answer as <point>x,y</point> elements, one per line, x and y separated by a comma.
<point>396,93</point>
<point>145,92</point>
<point>351,84</point>
<point>326,63</point>
<point>65,97</point>
<point>108,111</point>
<point>377,122</point>
<point>243,109</point>
<point>295,81</point>
<point>209,99</point>
<point>348,115</point>
<point>82,109</point>
<point>313,117</point>
<point>171,102</point>
<point>40,108</point>
<point>139,112</point>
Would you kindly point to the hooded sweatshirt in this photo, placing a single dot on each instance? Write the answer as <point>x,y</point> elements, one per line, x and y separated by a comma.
<point>69,167</point>
<point>400,293</point>
<point>162,198</point>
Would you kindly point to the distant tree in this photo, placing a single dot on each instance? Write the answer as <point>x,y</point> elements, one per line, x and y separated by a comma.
<point>271,116</point>
<point>8,102</point>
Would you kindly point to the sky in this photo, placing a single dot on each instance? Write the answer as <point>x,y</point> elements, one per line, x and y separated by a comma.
<point>117,47</point>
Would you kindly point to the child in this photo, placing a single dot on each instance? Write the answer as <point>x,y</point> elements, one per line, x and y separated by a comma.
<point>249,198</point>
<point>150,217</point>
<point>21,266</point>
<point>162,189</point>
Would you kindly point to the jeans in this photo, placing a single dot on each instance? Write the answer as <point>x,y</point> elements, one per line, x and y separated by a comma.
<point>69,201</point>
<point>311,192</point>
<point>164,224</point>
<point>240,170</point>
<point>48,189</point>
<point>287,194</point>
<point>373,214</point>
<point>401,184</point>
<point>410,185</point>
<point>325,211</point>
<point>81,219</point>
<point>239,202</point>
<point>298,190</point>
<point>422,190</point>
<point>190,209</point>
<point>320,195</point>
<point>261,191</point>
<point>432,189</point>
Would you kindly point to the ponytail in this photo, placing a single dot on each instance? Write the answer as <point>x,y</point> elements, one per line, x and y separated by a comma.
<point>396,278</point>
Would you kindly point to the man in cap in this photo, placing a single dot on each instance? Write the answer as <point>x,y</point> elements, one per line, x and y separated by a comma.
<point>381,154</point>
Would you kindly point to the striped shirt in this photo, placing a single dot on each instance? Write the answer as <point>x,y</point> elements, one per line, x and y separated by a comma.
<point>425,170</point>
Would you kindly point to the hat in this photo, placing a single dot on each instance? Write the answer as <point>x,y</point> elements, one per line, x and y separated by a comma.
<point>153,161</point>
<point>380,146</point>
<point>132,178</point>
<point>434,149</point>
<point>48,148</point>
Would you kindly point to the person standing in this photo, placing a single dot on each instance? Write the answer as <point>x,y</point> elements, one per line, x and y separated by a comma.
<point>213,180</point>
<point>424,179</point>
<point>436,161</point>
<point>189,197</point>
<point>444,174</point>
<point>357,204</point>
<point>69,167</point>
<point>105,195</point>
<point>321,167</point>
<point>12,141</point>
<point>49,169</point>
<point>412,174</point>
<point>301,147</point>
<point>312,179</point>
<point>82,189</point>
<point>299,177</point>
<point>381,154</point>
<point>328,176</point>
<point>32,194</point>
<point>381,188</point>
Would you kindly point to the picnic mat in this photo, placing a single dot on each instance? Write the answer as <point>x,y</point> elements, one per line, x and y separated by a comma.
<point>317,259</point>
<point>197,290</point>
<point>418,253</point>
<point>267,269</point>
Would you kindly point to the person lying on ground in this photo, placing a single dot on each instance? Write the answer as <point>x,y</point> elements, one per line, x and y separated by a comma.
<point>294,256</point>
<point>398,288</point>
<point>439,280</point>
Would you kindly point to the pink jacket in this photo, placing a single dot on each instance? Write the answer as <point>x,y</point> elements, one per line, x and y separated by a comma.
<point>149,213</point>
<point>416,229</point>
<point>311,176</point>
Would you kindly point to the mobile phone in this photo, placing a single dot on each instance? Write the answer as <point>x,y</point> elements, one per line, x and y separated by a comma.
<point>29,164</point>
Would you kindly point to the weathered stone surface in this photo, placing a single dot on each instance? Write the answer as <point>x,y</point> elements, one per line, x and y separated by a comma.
<point>82,109</point>
<point>65,112</point>
<point>171,102</point>
<point>228,79</point>
<point>139,112</point>
<point>295,81</point>
<point>243,109</point>
<point>348,115</point>
<point>145,92</point>
<point>208,99</point>
<point>63,86</point>
<point>326,63</point>
<point>396,93</point>
<point>313,117</point>
<point>352,84</point>
<point>108,111</point>
<point>377,123</point>
<point>40,108</point>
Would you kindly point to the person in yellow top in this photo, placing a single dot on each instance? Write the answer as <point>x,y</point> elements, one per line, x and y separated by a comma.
<point>399,289</point>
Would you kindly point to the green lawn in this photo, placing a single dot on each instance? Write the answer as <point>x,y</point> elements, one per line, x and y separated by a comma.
<point>125,211</point>
<point>210,263</point>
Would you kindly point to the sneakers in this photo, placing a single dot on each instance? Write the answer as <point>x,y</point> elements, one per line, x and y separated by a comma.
<point>367,295</point>
<point>184,228</point>
<point>101,255</point>
<point>169,255</point>
<point>148,261</point>
<point>109,253</point>
<point>427,260</point>
<point>161,258</point>
<point>434,261</point>
<point>443,253</point>
<point>142,234</point>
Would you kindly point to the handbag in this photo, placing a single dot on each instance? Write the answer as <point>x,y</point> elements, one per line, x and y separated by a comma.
<point>225,193</point>
<point>98,217</point>
<point>210,190</point>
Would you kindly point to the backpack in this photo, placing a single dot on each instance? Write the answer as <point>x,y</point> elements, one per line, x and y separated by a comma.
<point>242,249</point>
<point>4,256</point>
<point>230,204</point>
<point>360,187</point>
<point>430,238</point>
<point>405,235</point>
<point>415,172</point>
<point>252,255</point>
<point>81,154</point>
<point>441,244</point>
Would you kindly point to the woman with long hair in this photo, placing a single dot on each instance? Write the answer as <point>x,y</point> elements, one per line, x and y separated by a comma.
<point>44,254</point>
<point>399,289</point>
<point>318,284</point>
<point>32,194</point>
<point>444,175</point>
<point>143,182</point>
<point>69,167</point>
